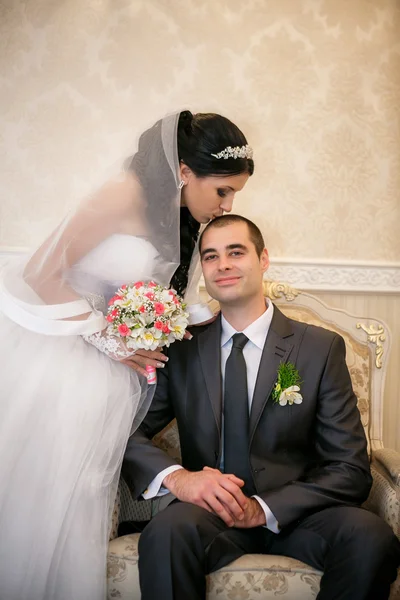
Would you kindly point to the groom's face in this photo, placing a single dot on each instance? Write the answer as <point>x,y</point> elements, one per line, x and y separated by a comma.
<point>232,269</point>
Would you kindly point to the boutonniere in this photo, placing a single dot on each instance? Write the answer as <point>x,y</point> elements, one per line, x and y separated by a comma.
<point>287,387</point>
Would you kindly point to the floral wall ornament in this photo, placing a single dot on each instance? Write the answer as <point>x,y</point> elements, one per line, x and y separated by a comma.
<point>375,336</point>
<point>276,289</point>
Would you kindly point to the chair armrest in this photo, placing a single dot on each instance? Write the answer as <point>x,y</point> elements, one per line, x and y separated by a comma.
<point>132,510</point>
<point>115,516</point>
<point>127,509</point>
<point>384,498</point>
<point>390,460</point>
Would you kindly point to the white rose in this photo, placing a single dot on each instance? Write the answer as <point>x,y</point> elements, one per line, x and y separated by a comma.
<point>169,308</point>
<point>166,296</point>
<point>157,334</point>
<point>291,395</point>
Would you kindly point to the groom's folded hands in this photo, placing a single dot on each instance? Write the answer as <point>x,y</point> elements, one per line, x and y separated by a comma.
<point>216,492</point>
<point>254,516</point>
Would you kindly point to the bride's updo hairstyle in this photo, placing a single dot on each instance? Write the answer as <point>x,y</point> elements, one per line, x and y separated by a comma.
<point>204,134</point>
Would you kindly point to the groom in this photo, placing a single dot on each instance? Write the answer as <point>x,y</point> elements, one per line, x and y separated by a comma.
<point>264,470</point>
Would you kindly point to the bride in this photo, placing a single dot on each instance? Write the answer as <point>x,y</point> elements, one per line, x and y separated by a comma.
<point>71,395</point>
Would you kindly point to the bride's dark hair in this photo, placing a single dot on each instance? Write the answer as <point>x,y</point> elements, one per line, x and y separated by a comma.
<point>204,134</point>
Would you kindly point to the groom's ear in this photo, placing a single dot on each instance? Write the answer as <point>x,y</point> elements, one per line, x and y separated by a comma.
<point>264,260</point>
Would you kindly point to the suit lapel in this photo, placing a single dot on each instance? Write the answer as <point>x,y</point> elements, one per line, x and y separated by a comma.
<point>277,348</point>
<point>209,342</point>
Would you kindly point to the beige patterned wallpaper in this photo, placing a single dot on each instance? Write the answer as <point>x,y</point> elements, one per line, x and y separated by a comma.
<point>315,85</point>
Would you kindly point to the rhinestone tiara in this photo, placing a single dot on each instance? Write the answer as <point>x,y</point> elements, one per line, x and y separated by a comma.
<point>236,152</point>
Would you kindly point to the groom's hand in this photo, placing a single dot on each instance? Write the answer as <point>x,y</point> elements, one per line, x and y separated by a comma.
<point>254,516</point>
<point>217,492</point>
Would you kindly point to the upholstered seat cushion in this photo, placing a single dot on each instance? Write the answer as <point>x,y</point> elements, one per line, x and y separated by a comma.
<point>251,577</point>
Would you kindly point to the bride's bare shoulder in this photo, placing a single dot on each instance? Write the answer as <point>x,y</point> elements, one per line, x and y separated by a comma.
<point>120,193</point>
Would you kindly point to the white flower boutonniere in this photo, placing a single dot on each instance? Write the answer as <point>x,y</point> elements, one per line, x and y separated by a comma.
<point>290,395</point>
<point>287,387</point>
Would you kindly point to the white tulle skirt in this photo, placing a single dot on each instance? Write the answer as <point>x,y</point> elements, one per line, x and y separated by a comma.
<point>66,412</point>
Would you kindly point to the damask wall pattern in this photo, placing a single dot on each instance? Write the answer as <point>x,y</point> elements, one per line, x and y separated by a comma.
<point>314,84</point>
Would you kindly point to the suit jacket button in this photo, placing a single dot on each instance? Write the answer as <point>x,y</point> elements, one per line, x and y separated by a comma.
<point>257,471</point>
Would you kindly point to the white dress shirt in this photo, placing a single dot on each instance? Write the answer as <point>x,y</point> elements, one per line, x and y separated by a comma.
<point>257,333</point>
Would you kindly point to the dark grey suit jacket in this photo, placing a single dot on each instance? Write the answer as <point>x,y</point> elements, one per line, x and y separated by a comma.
<point>304,457</point>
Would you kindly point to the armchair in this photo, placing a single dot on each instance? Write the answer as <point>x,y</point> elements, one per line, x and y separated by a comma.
<point>260,577</point>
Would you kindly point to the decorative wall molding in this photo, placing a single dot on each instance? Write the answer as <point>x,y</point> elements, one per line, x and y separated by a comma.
<point>335,276</point>
<point>313,275</point>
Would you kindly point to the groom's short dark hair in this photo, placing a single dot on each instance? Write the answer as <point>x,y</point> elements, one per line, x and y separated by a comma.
<point>254,233</point>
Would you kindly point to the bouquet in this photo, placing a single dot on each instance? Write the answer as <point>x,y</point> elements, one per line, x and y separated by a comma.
<point>147,316</point>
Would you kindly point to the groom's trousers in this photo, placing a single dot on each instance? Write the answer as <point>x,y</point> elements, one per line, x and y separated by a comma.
<point>356,550</point>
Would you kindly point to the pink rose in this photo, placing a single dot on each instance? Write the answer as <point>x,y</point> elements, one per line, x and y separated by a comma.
<point>158,325</point>
<point>109,318</point>
<point>124,329</point>
<point>149,295</point>
<point>166,328</point>
<point>114,299</point>
<point>138,284</point>
<point>159,308</point>
<point>142,309</point>
<point>152,284</point>
<point>123,287</point>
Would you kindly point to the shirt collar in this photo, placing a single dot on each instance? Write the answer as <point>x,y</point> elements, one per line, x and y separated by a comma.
<point>256,332</point>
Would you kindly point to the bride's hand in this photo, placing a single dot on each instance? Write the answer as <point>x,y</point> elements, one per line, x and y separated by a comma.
<point>142,358</point>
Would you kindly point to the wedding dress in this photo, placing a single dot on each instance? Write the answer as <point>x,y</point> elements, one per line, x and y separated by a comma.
<point>67,403</point>
<point>66,413</point>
